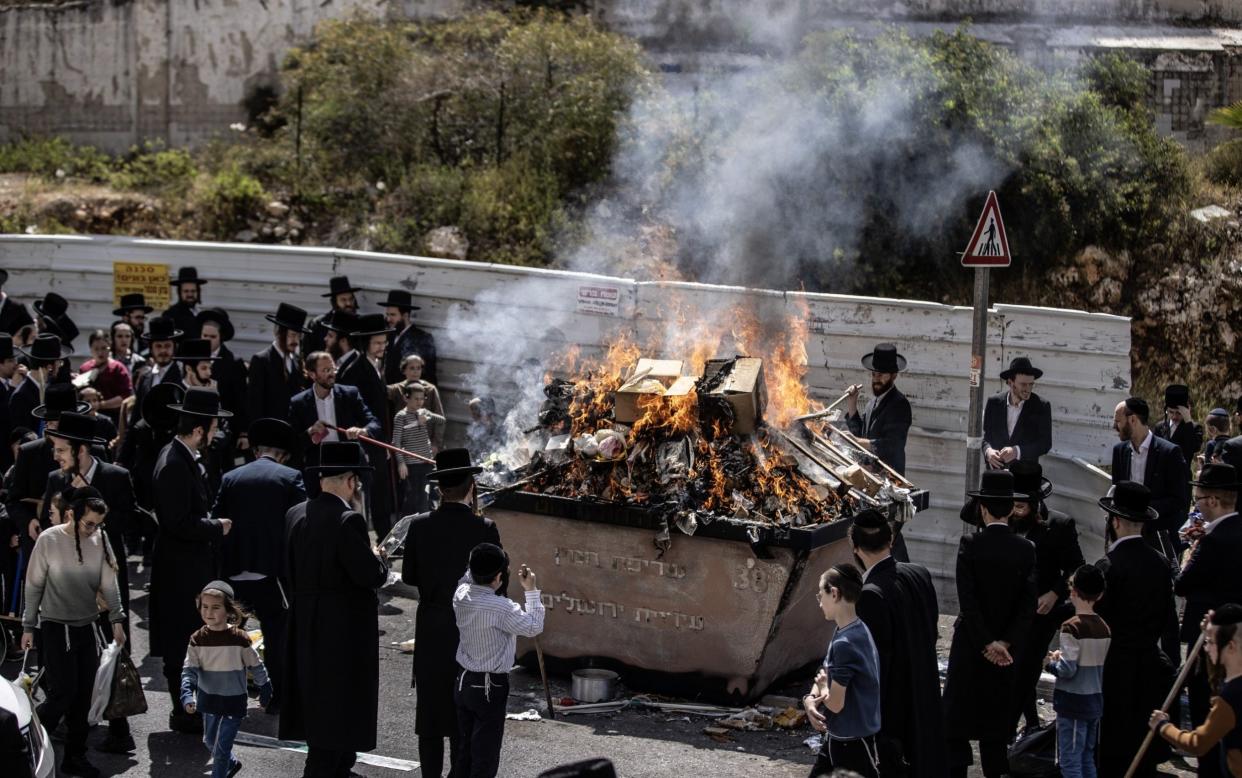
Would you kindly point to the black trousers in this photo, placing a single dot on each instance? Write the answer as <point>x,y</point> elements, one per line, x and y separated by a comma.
<point>71,657</point>
<point>266,599</point>
<point>431,754</point>
<point>994,754</point>
<point>481,700</point>
<point>328,763</point>
<point>858,755</point>
<point>1030,663</point>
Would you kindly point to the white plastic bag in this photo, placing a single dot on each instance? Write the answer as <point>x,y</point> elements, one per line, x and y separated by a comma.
<point>101,695</point>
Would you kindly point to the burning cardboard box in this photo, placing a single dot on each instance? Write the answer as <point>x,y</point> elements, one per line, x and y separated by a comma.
<point>649,379</point>
<point>740,382</point>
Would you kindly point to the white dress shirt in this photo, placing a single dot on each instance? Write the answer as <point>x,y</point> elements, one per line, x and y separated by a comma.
<point>325,409</point>
<point>1012,412</point>
<point>1138,459</point>
<point>489,625</point>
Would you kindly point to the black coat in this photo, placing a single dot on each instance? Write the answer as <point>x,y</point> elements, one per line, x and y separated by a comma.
<point>13,316</point>
<point>1032,433</point>
<point>1212,576</point>
<point>1137,606</point>
<point>185,548</point>
<point>351,411</point>
<point>360,374</point>
<point>140,450</point>
<point>332,654</point>
<point>230,375</point>
<point>270,386</point>
<point>6,427</point>
<point>996,600</point>
<point>315,339</point>
<point>1230,451</point>
<point>886,425</point>
<point>171,374</point>
<point>183,318</point>
<point>1188,437</point>
<point>23,400</point>
<point>898,604</point>
<point>256,496</point>
<point>1165,477</point>
<point>437,553</point>
<point>411,340</point>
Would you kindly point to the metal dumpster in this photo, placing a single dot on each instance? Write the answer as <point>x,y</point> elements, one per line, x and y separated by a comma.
<point>719,616</point>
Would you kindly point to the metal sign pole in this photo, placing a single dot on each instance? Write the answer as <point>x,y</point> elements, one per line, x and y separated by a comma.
<point>978,359</point>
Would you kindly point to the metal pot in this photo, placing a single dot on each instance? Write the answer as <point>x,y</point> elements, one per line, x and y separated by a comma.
<point>594,685</point>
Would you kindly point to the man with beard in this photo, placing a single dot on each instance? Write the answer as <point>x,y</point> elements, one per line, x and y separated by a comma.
<point>43,359</point>
<point>898,604</point>
<point>133,311</point>
<point>162,341</point>
<point>332,658</point>
<point>342,297</point>
<point>1178,427</point>
<point>184,312</point>
<point>1157,464</point>
<point>197,363</point>
<point>885,424</point>
<point>275,374</point>
<point>228,369</point>
<point>317,412</point>
<point>1057,556</point>
<point>364,370</point>
<point>408,340</point>
<point>1137,606</point>
<point>185,550</point>
<point>1017,423</point>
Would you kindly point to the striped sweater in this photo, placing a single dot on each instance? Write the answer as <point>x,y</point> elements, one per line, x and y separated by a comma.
<point>215,667</point>
<point>1080,670</point>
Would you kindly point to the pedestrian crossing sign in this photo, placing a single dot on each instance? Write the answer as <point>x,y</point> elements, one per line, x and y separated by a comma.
<point>989,247</point>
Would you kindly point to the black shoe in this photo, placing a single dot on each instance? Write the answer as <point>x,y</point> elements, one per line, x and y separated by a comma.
<point>186,723</point>
<point>234,768</point>
<point>273,708</point>
<point>117,745</point>
<point>77,765</point>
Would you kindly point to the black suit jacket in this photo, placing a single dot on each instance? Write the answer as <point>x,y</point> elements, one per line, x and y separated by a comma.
<point>1188,437</point>
<point>1057,553</point>
<point>1165,477</point>
<point>256,496</point>
<point>230,375</point>
<point>23,400</point>
<point>114,485</point>
<point>183,318</point>
<point>1138,601</point>
<point>314,340</point>
<point>1032,434</point>
<point>270,386</point>
<point>14,316</point>
<point>6,427</point>
<point>1230,452</point>
<point>1212,576</point>
<point>886,425</point>
<point>351,411</point>
<point>359,374</point>
<point>410,341</point>
<point>146,382</point>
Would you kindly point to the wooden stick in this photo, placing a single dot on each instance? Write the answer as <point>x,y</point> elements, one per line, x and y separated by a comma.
<point>898,477</point>
<point>543,673</point>
<point>1173,694</point>
<point>382,444</point>
<point>826,411</point>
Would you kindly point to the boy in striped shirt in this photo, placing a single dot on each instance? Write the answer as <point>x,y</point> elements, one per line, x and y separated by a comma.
<point>1079,668</point>
<point>413,429</point>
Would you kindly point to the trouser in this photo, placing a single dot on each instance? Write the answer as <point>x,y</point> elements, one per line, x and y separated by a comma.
<point>266,599</point>
<point>70,656</point>
<point>414,490</point>
<point>431,754</point>
<point>858,755</point>
<point>1200,693</point>
<point>328,763</point>
<point>219,732</point>
<point>994,754</point>
<point>1076,741</point>
<point>1030,663</point>
<point>481,700</point>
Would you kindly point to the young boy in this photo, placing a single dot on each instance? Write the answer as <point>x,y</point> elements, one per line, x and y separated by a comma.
<point>1079,668</point>
<point>105,428</point>
<point>413,429</point>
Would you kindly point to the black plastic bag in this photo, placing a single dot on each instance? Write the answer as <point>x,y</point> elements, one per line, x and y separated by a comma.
<point>127,697</point>
<point>1034,754</point>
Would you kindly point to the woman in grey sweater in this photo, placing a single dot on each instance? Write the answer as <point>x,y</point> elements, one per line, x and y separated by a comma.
<point>69,564</point>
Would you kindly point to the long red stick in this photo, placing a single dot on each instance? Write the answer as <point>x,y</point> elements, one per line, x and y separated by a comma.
<point>392,448</point>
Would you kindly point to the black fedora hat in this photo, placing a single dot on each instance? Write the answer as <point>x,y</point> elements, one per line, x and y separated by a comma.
<point>58,399</point>
<point>1021,366</point>
<point>1028,478</point>
<point>157,409</point>
<point>199,401</point>
<point>187,275</point>
<point>399,298</point>
<point>51,306</point>
<point>370,324</point>
<point>340,285</point>
<point>998,485</point>
<point>195,350</point>
<point>290,317</point>
<point>337,457</point>
<point>161,328</point>
<point>61,326</point>
<point>220,318</point>
<point>1130,500</point>
<point>453,466</point>
<point>6,346</point>
<point>271,433</point>
<point>77,427</point>
<point>884,359</point>
<point>132,302</point>
<point>1218,476</point>
<point>341,322</point>
<point>4,276</point>
<point>1176,395</point>
<point>46,348</point>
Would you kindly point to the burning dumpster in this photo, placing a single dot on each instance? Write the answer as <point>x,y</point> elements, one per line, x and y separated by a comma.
<point>679,523</point>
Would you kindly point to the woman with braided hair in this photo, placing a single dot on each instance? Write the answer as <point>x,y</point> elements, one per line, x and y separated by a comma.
<point>70,563</point>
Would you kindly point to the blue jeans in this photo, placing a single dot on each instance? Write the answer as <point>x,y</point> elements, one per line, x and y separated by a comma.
<point>1076,739</point>
<point>219,732</point>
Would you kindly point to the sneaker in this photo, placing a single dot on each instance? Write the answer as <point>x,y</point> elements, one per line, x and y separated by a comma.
<point>77,765</point>
<point>117,745</point>
<point>234,768</point>
<point>185,722</point>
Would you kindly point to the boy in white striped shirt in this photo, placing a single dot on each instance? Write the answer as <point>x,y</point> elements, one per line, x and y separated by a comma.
<point>489,625</point>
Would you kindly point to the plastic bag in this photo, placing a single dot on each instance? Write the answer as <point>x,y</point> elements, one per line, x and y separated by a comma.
<point>1034,754</point>
<point>127,697</point>
<point>102,693</point>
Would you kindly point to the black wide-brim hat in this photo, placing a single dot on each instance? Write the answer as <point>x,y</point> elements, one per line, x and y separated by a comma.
<point>884,359</point>
<point>1176,396</point>
<point>58,399</point>
<point>341,322</point>
<point>337,457</point>
<point>200,401</point>
<point>6,346</point>
<point>271,433</point>
<point>132,302</point>
<point>47,347</point>
<point>453,466</point>
<point>61,326</point>
<point>51,306</point>
<point>77,427</point>
<point>340,285</point>
<point>290,317</point>
<point>997,485</point>
<point>1131,501</point>
<point>157,405</point>
<point>195,350</point>
<point>187,275</point>
<point>1023,366</point>
<point>161,328</point>
<point>220,318</point>
<point>1028,477</point>
<point>400,299</point>
<point>370,324</point>
<point>1218,476</point>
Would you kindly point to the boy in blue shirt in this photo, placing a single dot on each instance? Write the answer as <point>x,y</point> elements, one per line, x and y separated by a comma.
<point>1079,667</point>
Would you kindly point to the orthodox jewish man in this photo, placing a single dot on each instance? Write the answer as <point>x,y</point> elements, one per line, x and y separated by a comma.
<point>43,358</point>
<point>133,311</point>
<point>437,551</point>
<point>1157,464</point>
<point>1137,606</point>
<point>363,368</point>
<point>332,658</point>
<point>1017,423</point>
<point>1179,427</point>
<point>996,596</point>
<point>185,548</point>
<point>316,413</point>
<point>229,370</point>
<point>27,483</point>
<point>189,289</point>
<point>342,296</point>
<point>161,368</point>
<point>275,374</point>
<point>885,423</point>
<point>408,339</point>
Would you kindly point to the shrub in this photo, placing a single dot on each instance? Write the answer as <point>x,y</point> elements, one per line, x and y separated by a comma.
<point>226,199</point>
<point>154,168</point>
<point>47,157</point>
<point>1223,164</point>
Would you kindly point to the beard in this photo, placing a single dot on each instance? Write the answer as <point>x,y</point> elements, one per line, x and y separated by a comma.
<point>880,387</point>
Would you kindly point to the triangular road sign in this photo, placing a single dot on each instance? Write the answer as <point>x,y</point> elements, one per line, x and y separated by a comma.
<point>989,247</point>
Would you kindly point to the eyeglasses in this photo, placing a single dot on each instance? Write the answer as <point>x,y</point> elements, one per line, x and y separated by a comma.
<point>1201,497</point>
<point>90,526</point>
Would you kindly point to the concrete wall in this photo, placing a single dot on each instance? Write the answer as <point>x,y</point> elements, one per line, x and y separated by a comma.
<point>1086,356</point>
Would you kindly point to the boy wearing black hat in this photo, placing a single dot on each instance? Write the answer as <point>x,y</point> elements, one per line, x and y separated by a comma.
<point>1017,423</point>
<point>489,624</point>
<point>1178,426</point>
<point>1079,668</point>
